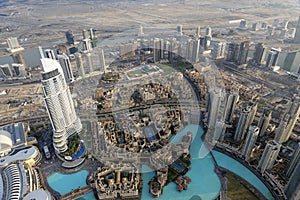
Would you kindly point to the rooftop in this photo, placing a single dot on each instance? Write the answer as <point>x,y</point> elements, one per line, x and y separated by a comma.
<point>21,154</point>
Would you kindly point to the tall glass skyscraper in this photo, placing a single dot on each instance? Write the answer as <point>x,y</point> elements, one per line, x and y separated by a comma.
<point>59,104</point>
<point>297,35</point>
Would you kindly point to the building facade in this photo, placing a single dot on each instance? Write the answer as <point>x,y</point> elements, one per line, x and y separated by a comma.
<point>269,156</point>
<point>65,64</point>
<point>264,121</point>
<point>59,104</point>
<point>288,121</point>
<point>250,142</point>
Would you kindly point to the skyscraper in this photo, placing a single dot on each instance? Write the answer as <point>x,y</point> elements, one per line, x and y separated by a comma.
<point>294,161</point>
<point>243,24</point>
<point>297,34</point>
<point>259,54</point>
<point>92,34</point>
<point>206,42</point>
<point>272,57</point>
<point>245,120</point>
<point>79,64</point>
<point>253,105</point>
<point>179,30</point>
<point>87,45</point>
<point>292,190</point>
<point>141,31</point>
<point>231,101</point>
<point>232,51</point>
<point>193,47</point>
<point>65,64</point>
<point>288,121</point>
<point>89,62</point>
<point>250,142</point>
<point>197,34</point>
<point>19,70</point>
<point>157,51</point>
<point>70,37</point>
<point>13,45</point>
<point>269,156</point>
<point>215,110</point>
<point>59,104</point>
<point>264,121</point>
<point>208,31</point>
<point>243,53</point>
<point>102,60</point>
<point>218,50</point>
<point>215,106</point>
<point>86,34</point>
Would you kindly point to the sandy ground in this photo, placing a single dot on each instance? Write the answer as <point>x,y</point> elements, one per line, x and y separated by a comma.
<point>42,22</point>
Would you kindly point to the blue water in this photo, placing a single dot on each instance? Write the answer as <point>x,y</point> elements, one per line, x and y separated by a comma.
<point>79,153</point>
<point>205,183</point>
<point>234,166</point>
<point>88,196</point>
<point>64,183</point>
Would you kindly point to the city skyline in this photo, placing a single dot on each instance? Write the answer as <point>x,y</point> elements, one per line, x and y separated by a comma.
<point>170,104</point>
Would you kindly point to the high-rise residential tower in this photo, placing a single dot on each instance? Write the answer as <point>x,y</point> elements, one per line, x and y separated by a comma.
<point>218,51</point>
<point>264,121</point>
<point>297,35</point>
<point>70,37</point>
<point>102,60</point>
<point>208,31</point>
<point>272,57</point>
<point>294,162</point>
<point>215,110</point>
<point>231,100</point>
<point>269,156</point>
<point>245,120</point>
<point>59,104</point>
<point>250,142</point>
<point>157,50</point>
<point>79,64</point>
<point>243,53</point>
<point>197,34</point>
<point>292,190</point>
<point>179,30</point>
<point>87,45</point>
<point>259,54</point>
<point>288,121</point>
<point>65,64</point>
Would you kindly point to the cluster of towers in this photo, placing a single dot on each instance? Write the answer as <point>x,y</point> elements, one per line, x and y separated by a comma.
<point>183,45</point>
<point>82,57</point>
<point>221,108</point>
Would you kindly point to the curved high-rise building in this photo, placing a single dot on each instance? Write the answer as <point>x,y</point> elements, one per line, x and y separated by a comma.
<point>59,104</point>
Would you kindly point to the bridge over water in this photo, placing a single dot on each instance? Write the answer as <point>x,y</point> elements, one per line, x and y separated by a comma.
<point>77,193</point>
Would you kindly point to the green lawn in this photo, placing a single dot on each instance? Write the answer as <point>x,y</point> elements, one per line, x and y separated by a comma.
<point>166,67</point>
<point>238,189</point>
